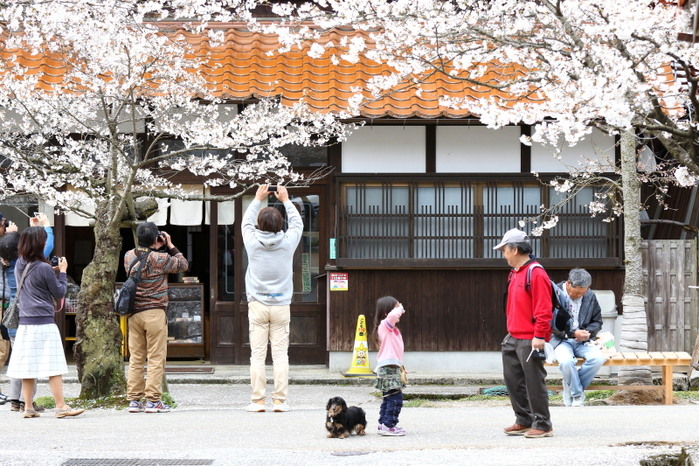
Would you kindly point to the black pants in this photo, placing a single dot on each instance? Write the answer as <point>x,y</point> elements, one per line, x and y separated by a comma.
<point>526,384</point>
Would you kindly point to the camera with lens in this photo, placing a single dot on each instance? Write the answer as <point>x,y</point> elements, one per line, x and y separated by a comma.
<point>163,242</point>
<point>54,261</point>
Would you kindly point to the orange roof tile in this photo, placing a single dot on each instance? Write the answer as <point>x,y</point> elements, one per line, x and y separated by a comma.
<point>247,65</point>
<point>671,74</point>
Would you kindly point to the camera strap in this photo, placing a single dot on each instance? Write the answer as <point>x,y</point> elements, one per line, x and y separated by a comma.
<point>142,261</point>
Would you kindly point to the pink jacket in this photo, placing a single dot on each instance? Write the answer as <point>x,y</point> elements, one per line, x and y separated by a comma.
<point>391,341</point>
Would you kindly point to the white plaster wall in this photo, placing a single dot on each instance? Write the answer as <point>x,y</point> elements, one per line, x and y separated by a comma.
<point>385,149</point>
<point>484,363</point>
<point>596,146</point>
<point>443,362</point>
<point>477,149</point>
<point>487,363</point>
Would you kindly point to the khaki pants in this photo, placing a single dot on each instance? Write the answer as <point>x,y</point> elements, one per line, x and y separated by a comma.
<point>147,340</point>
<point>269,324</point>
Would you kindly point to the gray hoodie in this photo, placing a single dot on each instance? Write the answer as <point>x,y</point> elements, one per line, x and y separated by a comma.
<point>270,257</point>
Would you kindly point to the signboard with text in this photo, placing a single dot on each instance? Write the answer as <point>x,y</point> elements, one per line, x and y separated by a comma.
<point>338,281</point>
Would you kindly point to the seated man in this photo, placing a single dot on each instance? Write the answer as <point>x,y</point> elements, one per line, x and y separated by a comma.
<point>587,321</point>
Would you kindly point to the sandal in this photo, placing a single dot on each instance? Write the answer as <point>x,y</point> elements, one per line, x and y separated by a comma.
<point>67,411</point>
<point>30,413</point>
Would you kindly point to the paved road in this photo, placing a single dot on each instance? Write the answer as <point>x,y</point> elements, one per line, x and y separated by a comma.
<point>210,423</point>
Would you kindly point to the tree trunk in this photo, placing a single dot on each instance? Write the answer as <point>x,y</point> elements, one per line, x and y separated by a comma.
<point>97,349</point>
<point>634,331</point>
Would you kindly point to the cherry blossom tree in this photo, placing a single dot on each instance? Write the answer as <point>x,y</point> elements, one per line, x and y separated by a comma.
<point>562,66</point>
<point>90,94</point>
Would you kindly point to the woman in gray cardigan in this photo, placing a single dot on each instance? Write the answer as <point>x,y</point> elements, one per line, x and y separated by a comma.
<point>38,348</point>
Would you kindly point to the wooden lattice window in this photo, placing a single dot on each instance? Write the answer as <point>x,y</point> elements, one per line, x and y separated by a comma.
<point>439,220</point>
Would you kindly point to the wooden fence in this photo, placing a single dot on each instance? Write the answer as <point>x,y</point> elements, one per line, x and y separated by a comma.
<point>669,269</point>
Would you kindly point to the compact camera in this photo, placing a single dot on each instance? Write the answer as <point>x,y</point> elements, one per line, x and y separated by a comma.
<point>538,355</point>
<point>54,261</point>
<point>272,189</point>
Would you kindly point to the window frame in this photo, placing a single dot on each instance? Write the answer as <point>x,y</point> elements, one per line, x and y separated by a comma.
<point>614,238</point>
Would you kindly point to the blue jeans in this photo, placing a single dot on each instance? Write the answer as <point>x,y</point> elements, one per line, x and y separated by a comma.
<point>578,379</point>
<point>390,408</point>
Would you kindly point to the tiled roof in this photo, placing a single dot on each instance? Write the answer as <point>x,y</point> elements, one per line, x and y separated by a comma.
<point>246,65</point>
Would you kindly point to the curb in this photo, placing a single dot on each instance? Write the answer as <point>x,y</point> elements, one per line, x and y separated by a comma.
<point>456,380</point>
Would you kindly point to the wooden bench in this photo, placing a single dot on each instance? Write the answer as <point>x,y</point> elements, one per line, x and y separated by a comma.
<point>667,360</point>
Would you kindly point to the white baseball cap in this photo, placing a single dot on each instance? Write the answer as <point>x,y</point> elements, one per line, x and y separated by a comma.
<point>512,236</point>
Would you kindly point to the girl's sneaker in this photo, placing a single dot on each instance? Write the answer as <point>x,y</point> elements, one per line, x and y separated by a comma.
<point>391,431</point>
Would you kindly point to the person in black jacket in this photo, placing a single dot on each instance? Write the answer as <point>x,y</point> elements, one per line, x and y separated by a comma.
<point>587,322</point>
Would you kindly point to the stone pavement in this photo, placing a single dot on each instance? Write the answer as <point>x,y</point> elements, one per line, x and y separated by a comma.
<point>211,426</point>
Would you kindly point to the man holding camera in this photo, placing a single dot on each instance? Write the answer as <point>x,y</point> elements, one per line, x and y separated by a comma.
<point>529,317</point>
<point>148,322</point>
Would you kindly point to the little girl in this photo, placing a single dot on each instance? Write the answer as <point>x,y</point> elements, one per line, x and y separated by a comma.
<point>389,361</point>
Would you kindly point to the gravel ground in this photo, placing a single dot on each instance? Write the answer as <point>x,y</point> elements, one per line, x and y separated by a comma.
<point>210,423</point>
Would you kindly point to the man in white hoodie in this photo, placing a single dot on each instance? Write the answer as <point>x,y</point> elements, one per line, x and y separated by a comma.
<point>269,286</point>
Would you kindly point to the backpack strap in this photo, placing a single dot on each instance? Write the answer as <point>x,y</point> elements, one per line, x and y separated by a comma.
<point>528,285</point>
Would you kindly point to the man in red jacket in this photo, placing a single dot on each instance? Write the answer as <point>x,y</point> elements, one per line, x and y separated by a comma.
<point>529,316</point>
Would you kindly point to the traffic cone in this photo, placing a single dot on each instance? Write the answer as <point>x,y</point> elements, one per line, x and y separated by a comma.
<point>360,356</point>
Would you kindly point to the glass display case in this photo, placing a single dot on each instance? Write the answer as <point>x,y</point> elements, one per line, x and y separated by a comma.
<point>185,320</point>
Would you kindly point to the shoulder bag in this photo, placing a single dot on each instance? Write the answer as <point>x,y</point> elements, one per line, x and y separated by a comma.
<point>125,296</point>
<point>11,318</point>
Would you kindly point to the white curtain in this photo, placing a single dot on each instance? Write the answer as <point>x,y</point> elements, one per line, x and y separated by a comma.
<point>187,213</point>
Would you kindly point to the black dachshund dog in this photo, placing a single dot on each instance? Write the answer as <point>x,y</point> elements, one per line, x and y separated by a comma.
<point>341,420</point>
